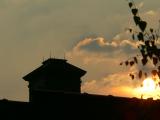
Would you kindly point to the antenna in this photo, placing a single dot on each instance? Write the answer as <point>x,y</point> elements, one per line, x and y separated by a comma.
<point>50,54</point>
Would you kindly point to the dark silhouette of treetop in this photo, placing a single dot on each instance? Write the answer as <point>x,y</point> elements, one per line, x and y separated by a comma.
<point>149,50</point>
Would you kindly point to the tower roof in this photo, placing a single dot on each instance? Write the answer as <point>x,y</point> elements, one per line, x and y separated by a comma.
<point>53,66</point>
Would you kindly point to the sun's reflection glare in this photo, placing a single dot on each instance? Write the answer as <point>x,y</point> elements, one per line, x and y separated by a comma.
<point>149,88</point>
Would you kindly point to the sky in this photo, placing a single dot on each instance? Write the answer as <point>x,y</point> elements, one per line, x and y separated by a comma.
<point>89,33</point>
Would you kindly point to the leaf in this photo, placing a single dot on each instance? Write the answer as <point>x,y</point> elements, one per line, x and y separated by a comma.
<point>132,76</point>
<point>150,54</point>
<point>140,74</point>
<point>153,44</point>
<point>126,63</point>
<point>133,37</point>
<point>155,61</point>
<point>144,61</point>
<point>137,20</point>
<point>130,30</point>
<point>121,63</point>
<point>147,43</point>
<point>135,60</point>
<point>142,25</point>
<point>143,53</point>
<point>131,63</point>
<point>154,72</point>
<point>151,30</point>
<point>130,4</point>
<point>140,36</point>
<point>134,11</point>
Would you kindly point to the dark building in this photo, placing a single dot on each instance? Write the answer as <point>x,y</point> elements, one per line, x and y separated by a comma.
<point>55,75</point>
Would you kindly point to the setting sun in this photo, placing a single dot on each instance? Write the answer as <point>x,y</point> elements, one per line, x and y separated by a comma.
<point>149,85</point>
<point>149,89</point>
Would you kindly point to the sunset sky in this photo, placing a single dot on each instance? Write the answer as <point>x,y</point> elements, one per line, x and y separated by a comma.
<point>89,33</point>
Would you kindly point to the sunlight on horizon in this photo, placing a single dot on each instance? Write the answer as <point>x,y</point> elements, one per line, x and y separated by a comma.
<point>149,89</point>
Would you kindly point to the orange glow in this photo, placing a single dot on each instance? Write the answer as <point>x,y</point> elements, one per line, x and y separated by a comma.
<point>149,89</point>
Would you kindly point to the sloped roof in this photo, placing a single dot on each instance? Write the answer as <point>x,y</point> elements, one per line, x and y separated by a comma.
<point>52,65</point>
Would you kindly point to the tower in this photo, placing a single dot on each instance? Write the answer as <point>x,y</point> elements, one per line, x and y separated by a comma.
<point>55,75</point>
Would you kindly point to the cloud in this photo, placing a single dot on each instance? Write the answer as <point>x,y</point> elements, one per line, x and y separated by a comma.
<point>141,4</point>
<point>150,13</point>
<point>101,57</point>
<point>31,28</point>
<point>117,84</point>
<point>151,17</point>
<point>107,47</point>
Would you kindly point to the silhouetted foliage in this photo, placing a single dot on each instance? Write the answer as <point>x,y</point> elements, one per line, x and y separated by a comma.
<point>148,48</point>
<point>130,4</point>
<point>132,76</point>
<point>131,63</point>
<point>140,74</point>
<point>135,60</point>
<point>146,75</point>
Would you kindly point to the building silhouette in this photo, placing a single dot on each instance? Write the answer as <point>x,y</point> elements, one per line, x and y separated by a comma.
<point>55,75</point>
<point>54,93</point>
